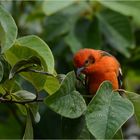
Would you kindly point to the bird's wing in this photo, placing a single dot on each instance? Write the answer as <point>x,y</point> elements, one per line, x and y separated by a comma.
<point>120,78</point>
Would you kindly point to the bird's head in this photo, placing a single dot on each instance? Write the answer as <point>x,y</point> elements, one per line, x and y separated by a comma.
<point>84,60</point>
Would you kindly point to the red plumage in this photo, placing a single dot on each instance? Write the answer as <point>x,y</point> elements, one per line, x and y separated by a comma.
<point>98,66</point>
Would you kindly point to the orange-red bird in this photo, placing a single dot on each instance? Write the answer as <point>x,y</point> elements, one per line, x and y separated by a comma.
<point>98,66</point>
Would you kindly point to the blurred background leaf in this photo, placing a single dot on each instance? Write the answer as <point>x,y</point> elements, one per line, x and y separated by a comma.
<point>128,8</point>
<point>117,30</point>
<point>8,30</point>
<point>51,7</point>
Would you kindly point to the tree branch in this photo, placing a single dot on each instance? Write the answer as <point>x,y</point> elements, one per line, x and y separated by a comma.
<point>3,100</point>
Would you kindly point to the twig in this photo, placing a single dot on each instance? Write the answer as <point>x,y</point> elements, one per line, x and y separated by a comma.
<point>2,100</point>
<point>35,71</point>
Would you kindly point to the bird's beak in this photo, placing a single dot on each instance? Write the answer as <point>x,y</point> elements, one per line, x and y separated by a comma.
<point>79,70</point>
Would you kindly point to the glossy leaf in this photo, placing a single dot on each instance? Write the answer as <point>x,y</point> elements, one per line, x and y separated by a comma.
<point>34,110</point>
<point>21,107</point>
<point>26,47</point>
<point>21,65</point>
<point>6,68</point>
<point>51,85</point>
<point>107,112</point>
<point>11,85</point>
<point>8,30</point>
<point>128,8</point>
<point>2,91</point>
<point>51,7</point>
<point>135,99</point>
<point>24,95</point>
<point>1,71</point>
<point>28,134</point>
<point>117,30</point>
<point>67,101</point>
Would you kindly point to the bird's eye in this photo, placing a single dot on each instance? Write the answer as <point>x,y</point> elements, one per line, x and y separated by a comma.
<point>87,61</point>
<point>91,59</point>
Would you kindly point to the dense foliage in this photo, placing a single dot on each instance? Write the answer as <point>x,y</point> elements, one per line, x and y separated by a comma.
<point>40,96</point>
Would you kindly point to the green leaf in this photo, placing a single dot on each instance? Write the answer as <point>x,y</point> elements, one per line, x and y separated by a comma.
<point>88,33</point>
<point>67,101</point>
<point>107,112</point>
<point>73,41</point>
<point>2,91</point>
<point>61,77</point>
<point>62,22</point>
<point>24,95</point>
<point>28,129</point>
<point>8,30</point>
<point>20,65</point>
<point>84,133</point>
<point>128,8</point>
<point>52,85</point>
<point>1,71</point>
<point>26,47</point>
<point>51,7</point>
<point>133,76</point>
<point>117,30</point>
<point>56,26</point>
<point>11,85</point>
<point>118,135</point>
<point>9,126</point>
<point>74,128</point>
<point>135,99</point>
<point>74,13</point>
<point>21,107</point>
<point>85,34</point>
<point>6,69</point>
<point>34,110</point>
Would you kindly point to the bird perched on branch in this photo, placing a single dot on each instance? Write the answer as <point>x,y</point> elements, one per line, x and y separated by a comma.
<point>98,66</point>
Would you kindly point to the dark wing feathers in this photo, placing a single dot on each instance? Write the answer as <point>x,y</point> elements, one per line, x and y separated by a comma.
<point>103,53</point>
<point>120,78</point>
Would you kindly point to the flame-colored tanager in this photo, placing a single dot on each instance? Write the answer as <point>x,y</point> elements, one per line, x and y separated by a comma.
<point>98,66</point>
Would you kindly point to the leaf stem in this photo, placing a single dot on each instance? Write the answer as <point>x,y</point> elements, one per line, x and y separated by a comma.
<point>41,72</point>
<point>35,71</point>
